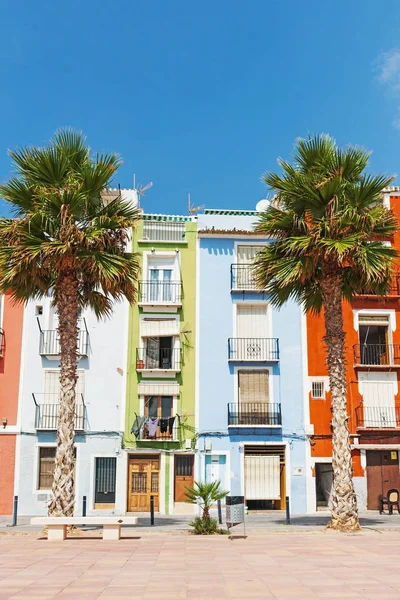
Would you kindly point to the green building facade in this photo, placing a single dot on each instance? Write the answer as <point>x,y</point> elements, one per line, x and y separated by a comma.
<point>160,434</point>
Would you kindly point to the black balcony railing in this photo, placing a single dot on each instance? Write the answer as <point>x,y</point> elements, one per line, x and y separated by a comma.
<point>160,292</point>
<point>242,277</point>
<point>254,413</point>
<point>393,289</point>
<point>49,344</point>
<point>164,231</point>
<point>163,432</point>
<point>377,354</point>
<point>378,417</point>
<point>2,341</point>
<point>163,358</point>
<point>253,349</point>
<point>47,409</point>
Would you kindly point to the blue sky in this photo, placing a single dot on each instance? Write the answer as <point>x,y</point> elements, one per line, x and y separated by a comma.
<point>201,97</point>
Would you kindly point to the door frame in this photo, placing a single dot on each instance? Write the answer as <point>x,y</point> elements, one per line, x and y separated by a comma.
<point>179,454</point>
<point>136,456</point>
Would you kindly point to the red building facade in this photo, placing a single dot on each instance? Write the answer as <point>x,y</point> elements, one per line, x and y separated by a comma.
<point>11,322</point>
<point>372,326</point>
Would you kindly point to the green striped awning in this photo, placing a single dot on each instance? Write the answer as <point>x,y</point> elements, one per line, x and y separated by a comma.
<point>219,211</point>
<point>175,218</point>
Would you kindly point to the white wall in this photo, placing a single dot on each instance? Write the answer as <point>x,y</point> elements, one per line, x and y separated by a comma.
<point>104,396</point>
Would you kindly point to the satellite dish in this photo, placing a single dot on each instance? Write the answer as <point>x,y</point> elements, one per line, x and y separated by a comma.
<point>262,205</point>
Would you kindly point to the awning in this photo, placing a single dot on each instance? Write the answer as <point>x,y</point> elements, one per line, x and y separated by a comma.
<point>158,389</point>
<point>159,327</point>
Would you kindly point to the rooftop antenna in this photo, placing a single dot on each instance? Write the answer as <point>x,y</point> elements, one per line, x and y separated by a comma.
<point>194,209</point>
<point>141,189</point>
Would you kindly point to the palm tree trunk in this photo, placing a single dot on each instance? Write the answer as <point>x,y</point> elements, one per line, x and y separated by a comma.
<point>344,510</point>
<point>63,493</point>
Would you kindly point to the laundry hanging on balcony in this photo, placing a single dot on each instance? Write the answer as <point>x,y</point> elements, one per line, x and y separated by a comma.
<point>137,427</point>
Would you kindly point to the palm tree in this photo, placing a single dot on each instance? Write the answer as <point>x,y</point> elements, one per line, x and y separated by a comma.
<point>327,225</point>
<point>66,241</point>
<point>206,494</point>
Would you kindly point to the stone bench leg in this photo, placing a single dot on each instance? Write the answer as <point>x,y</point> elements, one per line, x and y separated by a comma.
<point>56,533</point>
<point>112,532</point>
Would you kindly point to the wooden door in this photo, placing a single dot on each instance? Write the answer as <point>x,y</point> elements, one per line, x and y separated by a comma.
<point>382,475</point>
<point>183,476</point>
<point>144,474</point>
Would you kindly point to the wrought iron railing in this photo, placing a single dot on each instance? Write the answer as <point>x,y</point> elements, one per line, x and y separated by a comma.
<point>254,413</point>
<point>160,292</point>
<point>393,289</point>
<point>164,231</point>
<point>2,341</point>
<point>378,417</point>
<point>47,410</point>
<point>377,354</point>
<point>242,277</point>
<point>253,349</point>
<point>162,358</point>
<point>49,343</point>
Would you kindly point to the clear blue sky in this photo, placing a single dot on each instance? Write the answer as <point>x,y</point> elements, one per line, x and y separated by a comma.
<point>201,97</point>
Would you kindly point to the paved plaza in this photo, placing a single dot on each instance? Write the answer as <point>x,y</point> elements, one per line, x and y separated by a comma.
<point>284,565</point>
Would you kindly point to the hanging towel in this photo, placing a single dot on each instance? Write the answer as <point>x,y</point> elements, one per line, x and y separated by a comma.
<point>163,425</point>
<point>138,426</point>
<point>152,425</point>
<point>171,422</point>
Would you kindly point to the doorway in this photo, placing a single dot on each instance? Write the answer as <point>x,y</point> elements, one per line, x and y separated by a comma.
<point>323,483</point>
<point>183,476</point>
<point>264,477</point>
<point>144,476</point>
<point>382,475</point>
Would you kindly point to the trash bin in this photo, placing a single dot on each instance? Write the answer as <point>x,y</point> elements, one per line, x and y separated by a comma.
<point>234,510</point>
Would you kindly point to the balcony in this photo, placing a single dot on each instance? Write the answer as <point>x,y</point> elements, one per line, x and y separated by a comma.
<point>2,341</point>
<point>254,414</point>
<point>253,349</point>
<point>47,409</point>
<point>378,417</point>
<point>160,435</point>
<point>393,289</point>
<point>242,278</point>
<point>160,293</point>
<point>49,343</point>
<point>377,355</point>
<point>164,231</point>
<point>162,361</point>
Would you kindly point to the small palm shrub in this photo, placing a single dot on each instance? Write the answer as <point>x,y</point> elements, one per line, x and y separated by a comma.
<point>206,527</point>
<point>205,494</point>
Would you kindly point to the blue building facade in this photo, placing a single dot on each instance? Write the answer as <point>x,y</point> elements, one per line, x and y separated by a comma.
<point>252,391</point>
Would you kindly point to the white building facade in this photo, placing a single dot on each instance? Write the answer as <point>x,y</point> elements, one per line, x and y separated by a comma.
<point>100,410</point>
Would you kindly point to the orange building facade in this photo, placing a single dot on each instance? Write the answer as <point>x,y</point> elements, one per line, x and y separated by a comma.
<point>11,322</point>
<point>372,326</point>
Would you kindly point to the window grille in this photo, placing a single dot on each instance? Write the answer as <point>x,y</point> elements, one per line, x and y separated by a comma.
<point>318,390</point>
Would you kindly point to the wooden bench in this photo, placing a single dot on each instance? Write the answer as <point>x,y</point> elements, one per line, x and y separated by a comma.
<point>57,526</point>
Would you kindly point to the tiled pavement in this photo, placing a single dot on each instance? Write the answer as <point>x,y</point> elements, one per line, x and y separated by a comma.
<point>285,565</point>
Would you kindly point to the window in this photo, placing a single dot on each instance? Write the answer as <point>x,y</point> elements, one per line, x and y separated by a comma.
<point>52,386</point>
<point>106,471</point>
<point>247,253</point>
<point>373,334</point>
<point>158,406</point>
<point>318,390</point>
<point>251,321</point>
<point>46,467</point>
<point>159,353</point>
<point>253,387</point>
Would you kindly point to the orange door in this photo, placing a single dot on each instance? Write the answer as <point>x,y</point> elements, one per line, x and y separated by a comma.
<point>143,482</point>
<point>183,476</point>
